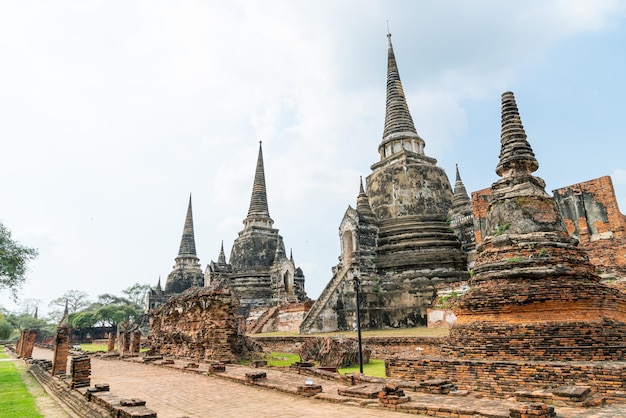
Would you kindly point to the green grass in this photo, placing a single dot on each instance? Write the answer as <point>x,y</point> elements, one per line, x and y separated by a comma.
<point>374,368</point>
<point>92,348</point>
<point>393,332</point>
<point>15,400</point>
<point>3,355</point>
<point>276,359</point>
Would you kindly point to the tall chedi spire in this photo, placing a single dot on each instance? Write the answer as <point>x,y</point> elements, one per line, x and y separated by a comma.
<point>188,241</point>
<point>258,213</point>
<point>399,132</point>
<point>187,270</point>
<point>534,295</point>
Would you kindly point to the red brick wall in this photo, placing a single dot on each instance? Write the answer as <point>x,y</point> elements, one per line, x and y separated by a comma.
<point>591,214</point>
<point>502,378</point>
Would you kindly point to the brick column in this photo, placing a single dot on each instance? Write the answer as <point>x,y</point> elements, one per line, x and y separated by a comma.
<point>135,342</point>
<point>20,343</point>
<point>80,370</point>
<point>111,342</point>
<point>29,337</point>
<point>61,351</point>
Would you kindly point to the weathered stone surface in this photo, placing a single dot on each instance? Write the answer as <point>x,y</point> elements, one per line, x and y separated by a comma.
<point>201,323</point>
<point>397,241</point>
<point>333,352</point>
<point>61,351</point>
<point>259,270</point>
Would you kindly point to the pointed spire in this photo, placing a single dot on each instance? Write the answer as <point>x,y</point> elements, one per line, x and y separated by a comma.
<point>259,214</point>
<point>158,286</point>
<point>188,242</point>
<point>398,121</point>
<point>291,254</point>
<point>460,197</point>
<point>362,202</point>
<point>516,155</point>
<point>221,259</point>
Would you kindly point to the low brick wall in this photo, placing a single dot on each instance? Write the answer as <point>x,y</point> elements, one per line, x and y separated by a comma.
<point>409,347</point>
<point>502,378</point>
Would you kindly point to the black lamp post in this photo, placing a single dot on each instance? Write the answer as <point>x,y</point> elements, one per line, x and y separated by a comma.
<point>357,285</point>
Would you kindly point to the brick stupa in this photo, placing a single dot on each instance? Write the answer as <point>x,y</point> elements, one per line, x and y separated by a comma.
<point>534,295</point>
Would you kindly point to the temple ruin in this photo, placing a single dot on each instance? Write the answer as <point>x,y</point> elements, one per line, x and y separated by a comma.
<point>536,311</point>
<point>397,242</point>
<point>259,270</point>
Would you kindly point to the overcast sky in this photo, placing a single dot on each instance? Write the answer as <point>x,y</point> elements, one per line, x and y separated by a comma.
<point>113,112</point>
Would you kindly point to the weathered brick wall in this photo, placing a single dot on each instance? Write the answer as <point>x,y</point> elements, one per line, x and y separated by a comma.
<point>61,351</point>
<point>592,215</point>
<point>501,378</point>
<point>201,323</point>
<point>26,343</point>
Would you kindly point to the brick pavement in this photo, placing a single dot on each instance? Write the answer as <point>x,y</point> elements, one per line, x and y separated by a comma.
<point>175,392</point>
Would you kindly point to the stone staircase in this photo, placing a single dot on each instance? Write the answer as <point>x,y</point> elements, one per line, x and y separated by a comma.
<point>321,302</point>
<point>258,325</point>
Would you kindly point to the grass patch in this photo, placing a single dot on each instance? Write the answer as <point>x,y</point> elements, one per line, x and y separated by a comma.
<point>92,348</point>
<point>15,400</point>
<point>276,359</point>
<point>3,355</point>
<point>374,368</point>
<point>393,332</point>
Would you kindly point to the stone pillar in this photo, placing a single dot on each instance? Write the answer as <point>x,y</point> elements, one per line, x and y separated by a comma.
<point>61,351</point>
<point>111,342</point>
<point>20,343</point>
<point>135,342</point>
<point>80,370</point>
<point>28,341</point>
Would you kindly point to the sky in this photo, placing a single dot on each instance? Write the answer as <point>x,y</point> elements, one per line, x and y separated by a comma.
<point>113,112</point>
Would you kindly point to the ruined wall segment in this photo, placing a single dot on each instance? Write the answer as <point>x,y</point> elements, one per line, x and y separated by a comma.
<point>592,215</point>
<point>200,323</point>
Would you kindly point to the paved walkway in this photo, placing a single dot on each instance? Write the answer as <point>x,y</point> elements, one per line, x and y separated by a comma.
<point>175,392</point>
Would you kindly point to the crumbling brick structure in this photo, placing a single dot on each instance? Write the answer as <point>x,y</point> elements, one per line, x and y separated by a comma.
<point>536,308</point>
<point>201,323</point>
<point>61,351</point>
<point>591,215</point>
<point>26,342</point>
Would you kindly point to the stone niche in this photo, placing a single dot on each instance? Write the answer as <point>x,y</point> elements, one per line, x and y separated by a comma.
<point>201,323</point>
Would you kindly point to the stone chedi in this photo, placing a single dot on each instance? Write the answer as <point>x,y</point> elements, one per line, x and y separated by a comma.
<point>397,240</point>
<point>259,270</point>
<point>534,295</point>
<point>461,219</point>
<point>186,272</point>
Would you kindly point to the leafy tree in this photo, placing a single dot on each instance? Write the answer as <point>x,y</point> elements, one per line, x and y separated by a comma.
<point>29,306</point>
<point>137,293</point>
<point>14,259</point>
<point>5,329</point>
<point>23,321</point>
<point>77,300</point>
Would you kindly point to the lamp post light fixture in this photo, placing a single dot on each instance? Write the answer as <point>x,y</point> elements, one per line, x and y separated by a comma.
<point>357,285</point>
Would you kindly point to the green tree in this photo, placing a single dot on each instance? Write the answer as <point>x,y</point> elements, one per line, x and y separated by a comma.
<point>5,329</point>
<point>137,293</point>
<point>14,259</point>
<point>77,300</point>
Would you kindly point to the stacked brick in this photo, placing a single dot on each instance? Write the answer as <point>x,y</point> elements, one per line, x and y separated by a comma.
<point>61,351</point>
<point>201,323</point>
<point>80,370</point>
<point>500,378</point>
<point>111,342</point>
<point>135,342</point>
<point>391,396</point>
<point>26,342</point>
<point>532,410</point>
